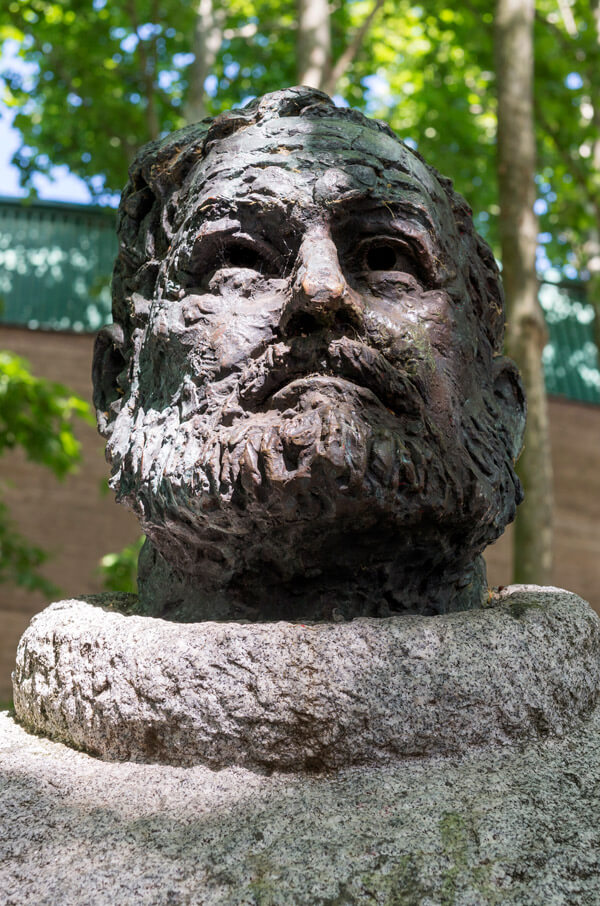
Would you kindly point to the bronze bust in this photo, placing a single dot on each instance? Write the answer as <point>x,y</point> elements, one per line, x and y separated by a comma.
<point>303,392</point>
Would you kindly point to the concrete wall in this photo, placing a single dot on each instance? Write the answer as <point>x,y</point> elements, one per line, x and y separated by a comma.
<point>74,521</point>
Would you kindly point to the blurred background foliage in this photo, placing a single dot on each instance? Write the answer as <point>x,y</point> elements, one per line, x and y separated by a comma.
<point>106,77</point>
<point>118,571</point>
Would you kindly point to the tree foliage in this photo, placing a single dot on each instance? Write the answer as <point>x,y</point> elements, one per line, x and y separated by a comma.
<point>118,571</point>
<point>568,132</point>
<point>118,69</point>
<point>37,416</point>
<point>107,77</point>
<point>94,93</point>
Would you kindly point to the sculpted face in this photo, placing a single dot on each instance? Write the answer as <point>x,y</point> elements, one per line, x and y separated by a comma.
<point>311,415</point>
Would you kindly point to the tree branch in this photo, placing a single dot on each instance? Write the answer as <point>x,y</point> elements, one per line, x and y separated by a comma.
<point>351,51</point>
<point>564,39</point>
<point>574,168</point>
<point>147,74</point>
<point>208,36</point>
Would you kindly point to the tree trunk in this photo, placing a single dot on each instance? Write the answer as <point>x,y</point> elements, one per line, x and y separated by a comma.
<point>591,250</point>
<point>592,247</point>
<point>526,329</point>
<point>352,50</point>
<point>206,43</point>
<point>313,48</point>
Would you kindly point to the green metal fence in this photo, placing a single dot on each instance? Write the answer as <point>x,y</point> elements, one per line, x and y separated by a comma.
<point>571,360</point>
<point>56,261</point>
<point>55,265</point>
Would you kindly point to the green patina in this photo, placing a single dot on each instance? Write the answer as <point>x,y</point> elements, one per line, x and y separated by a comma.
<point>455,844</point>
<point>519,607</point>
<point>264,885</point>
<point>460,845</point>
<point>397,883</point>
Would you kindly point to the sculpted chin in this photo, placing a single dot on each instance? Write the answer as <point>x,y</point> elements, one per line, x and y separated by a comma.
<point>303,391</point>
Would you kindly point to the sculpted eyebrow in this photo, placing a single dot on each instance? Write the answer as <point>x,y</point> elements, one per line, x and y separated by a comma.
<point>203,238</point>
<point>268,223</point>
<point>410,211</point>
<point>408,222</point>
<point>226,240</point>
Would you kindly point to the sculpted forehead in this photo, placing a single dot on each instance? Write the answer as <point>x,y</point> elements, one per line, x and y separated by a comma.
<point>315,165</point>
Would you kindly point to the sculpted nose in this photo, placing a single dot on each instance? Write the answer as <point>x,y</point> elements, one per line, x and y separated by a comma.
<point>320,294</point>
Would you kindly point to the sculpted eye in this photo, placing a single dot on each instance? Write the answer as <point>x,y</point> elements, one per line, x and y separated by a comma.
<point>389,256</point>
<point>244,256</point>
<point>212,264</point>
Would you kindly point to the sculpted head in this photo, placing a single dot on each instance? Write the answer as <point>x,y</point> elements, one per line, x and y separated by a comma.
<point>303,391</point>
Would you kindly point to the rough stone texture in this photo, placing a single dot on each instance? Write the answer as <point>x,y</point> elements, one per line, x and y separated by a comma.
<point>500,827</point>
<point>303,391</point>
<point>300,696</point>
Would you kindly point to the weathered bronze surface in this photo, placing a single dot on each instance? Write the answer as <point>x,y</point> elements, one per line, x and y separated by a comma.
<point>303,392</point>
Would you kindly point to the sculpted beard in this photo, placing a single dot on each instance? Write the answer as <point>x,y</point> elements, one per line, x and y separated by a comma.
<point>313,450</point>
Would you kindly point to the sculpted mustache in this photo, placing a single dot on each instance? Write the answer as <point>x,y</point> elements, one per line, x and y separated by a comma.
<point>400,388</point>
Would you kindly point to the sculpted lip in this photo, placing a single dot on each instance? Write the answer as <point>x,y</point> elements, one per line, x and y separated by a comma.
<point>291,392</point>
<point>306,362</point>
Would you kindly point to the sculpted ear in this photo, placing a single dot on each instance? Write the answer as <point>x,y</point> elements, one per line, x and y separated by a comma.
<point>510,399</point>
<point>108,363</point>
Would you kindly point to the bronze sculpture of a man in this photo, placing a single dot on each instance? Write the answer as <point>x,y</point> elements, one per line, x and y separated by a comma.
<point>303,392</point>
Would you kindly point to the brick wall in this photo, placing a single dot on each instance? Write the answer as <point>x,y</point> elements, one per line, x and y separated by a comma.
<point>79,525</point>
<point>575,440</point>
<point>70,518</point>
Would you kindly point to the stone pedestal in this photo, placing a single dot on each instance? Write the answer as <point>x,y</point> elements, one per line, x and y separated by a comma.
<point>441,760</point>
<point>517,826</point>
<point>306,697</point>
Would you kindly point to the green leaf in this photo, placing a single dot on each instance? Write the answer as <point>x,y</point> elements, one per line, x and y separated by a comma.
<point>119,570</point>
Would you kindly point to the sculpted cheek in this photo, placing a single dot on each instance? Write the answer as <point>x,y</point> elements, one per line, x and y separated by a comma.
<point>240,333</point>
<point>234,342</point>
